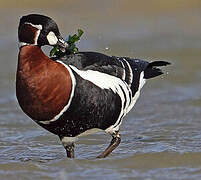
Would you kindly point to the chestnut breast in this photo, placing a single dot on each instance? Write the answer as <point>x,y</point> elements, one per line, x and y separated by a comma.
<point>43,87</point>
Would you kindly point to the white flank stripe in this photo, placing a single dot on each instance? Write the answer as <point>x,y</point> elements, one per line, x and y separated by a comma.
<point>124,71</point>
<point>71,96</point>
<point>106,81</point>
<point>131,72</point>
<point>137,94</point>
<point>142,80</point>
<point>102,80</point>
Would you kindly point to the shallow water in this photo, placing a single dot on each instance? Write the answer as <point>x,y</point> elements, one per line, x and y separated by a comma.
<point>161,136</point>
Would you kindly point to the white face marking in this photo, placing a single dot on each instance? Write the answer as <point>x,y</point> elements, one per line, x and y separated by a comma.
<point>52,39</point>
<point>38,26</point>
<point>70,99</point>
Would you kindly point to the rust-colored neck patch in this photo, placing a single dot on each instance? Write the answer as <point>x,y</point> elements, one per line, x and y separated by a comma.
<point>43,86</point>
<point>28,34</point>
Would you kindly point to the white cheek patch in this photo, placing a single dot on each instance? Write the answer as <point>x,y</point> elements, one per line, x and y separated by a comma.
<point>52,39</point>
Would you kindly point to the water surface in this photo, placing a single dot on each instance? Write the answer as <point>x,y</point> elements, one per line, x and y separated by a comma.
<point>161,136</point>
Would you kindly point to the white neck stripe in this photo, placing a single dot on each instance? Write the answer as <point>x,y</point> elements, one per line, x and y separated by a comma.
<point>21,44</point>
<point>71,95</point>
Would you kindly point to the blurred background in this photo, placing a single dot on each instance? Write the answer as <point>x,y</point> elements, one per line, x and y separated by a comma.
<point>161,137</point>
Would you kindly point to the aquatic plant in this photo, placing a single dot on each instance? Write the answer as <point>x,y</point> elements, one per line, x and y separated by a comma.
<point>71,48</point>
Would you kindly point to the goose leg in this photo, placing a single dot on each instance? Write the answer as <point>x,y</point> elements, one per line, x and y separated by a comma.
<point>70,150</point>
<point>116,139</point>
<point>68,144</point>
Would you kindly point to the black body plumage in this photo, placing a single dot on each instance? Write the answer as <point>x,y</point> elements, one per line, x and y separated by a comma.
<point>92,106</point>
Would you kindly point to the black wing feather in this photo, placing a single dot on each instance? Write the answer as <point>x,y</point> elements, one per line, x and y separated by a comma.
<point>115,66</point>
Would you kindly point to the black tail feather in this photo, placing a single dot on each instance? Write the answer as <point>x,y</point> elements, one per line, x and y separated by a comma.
<point>152,70</point>
<point>158,63</point>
